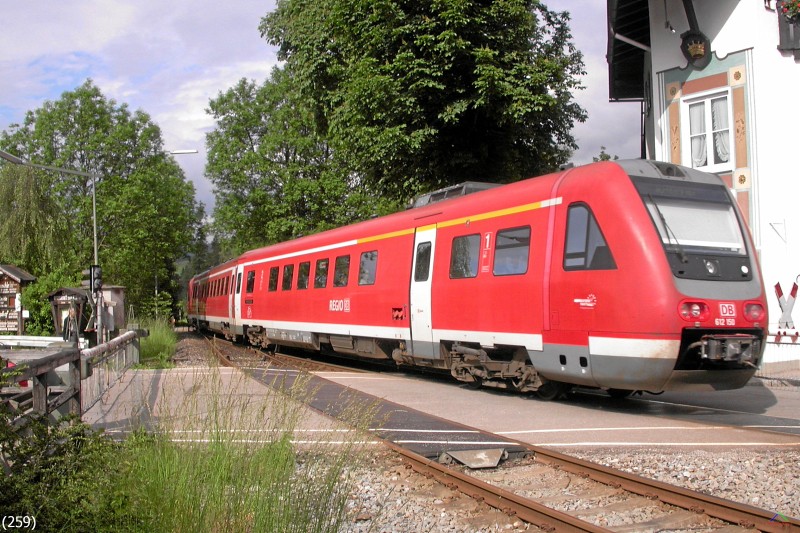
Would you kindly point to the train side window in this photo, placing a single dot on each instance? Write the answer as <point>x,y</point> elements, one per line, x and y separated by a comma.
<point>341,272</point>
<point>302,275</point>
<point>368,268</point>
<point>288,276</point>
<point>233,283</point>
<point>511,251</point>
<point>251,281</point>
<point>586,248</point>
<point>321,274</point>
<point>273,279</point>
<point>239,283</point>
<point>422,268</point>
<point>464,256</point>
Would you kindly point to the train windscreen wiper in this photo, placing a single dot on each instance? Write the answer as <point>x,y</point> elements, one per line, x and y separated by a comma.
<point>670,234</point>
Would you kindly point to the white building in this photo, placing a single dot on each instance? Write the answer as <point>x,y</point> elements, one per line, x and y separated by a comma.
<point>718,81</point>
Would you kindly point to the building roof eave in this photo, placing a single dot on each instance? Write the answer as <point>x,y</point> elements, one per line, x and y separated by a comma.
<point>628,40</point>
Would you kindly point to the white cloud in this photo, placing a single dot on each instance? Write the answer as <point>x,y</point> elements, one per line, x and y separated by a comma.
<point>170,59</point>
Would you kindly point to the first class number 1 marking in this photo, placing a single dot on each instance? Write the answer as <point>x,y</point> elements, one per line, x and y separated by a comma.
<point>12,523</point>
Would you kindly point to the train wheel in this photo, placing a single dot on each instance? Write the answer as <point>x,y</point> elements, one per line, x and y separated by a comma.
<point>552,390</point>
<point>477,384</point>
<point>619,394</point>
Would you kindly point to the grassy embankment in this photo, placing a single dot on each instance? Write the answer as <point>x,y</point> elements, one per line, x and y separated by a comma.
<point>217,461</point>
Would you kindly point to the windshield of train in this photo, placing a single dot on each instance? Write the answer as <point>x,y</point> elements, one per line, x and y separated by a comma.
<point>692,217</point>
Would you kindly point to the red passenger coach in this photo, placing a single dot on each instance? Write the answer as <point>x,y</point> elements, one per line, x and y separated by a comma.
<point>632,275</point>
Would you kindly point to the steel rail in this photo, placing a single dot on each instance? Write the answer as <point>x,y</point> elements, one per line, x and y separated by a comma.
<point>726,510</point>
<point>526,509</point>
<point>277,359</point>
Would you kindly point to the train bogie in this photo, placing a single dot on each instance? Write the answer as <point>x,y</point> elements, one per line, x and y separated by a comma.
<point>627,276</point>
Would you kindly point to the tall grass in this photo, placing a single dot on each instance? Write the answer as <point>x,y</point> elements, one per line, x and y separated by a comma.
<point>157,349</point>
<point>227,462</point>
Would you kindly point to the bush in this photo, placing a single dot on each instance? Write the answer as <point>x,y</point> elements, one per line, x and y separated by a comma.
<point>66,476</point>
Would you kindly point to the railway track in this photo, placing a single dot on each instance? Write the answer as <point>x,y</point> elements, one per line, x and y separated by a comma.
<point>232,355</point>
<point>556,492</point>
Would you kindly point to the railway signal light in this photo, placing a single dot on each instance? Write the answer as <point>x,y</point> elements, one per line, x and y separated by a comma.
<point>93,278</point>
<point>97,278</point>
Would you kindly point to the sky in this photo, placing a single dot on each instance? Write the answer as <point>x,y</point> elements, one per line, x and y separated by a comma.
<point>170,59</point>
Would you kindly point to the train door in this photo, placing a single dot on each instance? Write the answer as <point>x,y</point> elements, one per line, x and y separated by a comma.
<point>422,344</point>
<point>236,295</point>
<point>231,284</point>
<point>584,286</point>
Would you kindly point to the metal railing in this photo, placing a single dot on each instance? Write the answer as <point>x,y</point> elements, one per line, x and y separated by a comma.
<point>108,362</point>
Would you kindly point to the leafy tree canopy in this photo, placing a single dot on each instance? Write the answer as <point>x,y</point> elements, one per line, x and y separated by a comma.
<point>414,95</point>
<point>32,228</point>
<point>603,156</point>
<point>147,215</point>
<point>275,178</point>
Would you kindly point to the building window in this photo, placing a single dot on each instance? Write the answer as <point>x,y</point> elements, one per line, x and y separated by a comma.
<point>707,140</point>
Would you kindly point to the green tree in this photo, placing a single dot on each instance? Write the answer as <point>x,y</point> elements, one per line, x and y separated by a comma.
<point>147,215</point>
<point>275,177</point>
<point>35,299</point>
<point>34,234</point>
<point>417,95</point>
<point>604,156</point>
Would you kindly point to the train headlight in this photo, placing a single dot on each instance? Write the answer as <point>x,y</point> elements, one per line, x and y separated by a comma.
<point>693,311</point>
<point>712,267</point>
<point>754,312</point>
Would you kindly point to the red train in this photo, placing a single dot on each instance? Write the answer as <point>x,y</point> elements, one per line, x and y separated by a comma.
<point>626,275</point>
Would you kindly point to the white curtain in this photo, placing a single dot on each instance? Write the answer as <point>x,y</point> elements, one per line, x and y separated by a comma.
<point>719,123</point>
<point>697,130</point>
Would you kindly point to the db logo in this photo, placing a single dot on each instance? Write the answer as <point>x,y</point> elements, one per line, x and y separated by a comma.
<point>727,310</point>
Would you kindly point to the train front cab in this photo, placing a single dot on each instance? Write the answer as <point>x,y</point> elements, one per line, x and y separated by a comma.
<point>656,277</point>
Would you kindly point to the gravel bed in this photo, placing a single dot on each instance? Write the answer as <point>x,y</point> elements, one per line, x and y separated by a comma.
<point>388,497</point>
<point>769,479</point>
